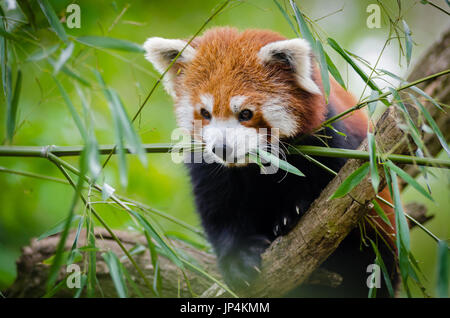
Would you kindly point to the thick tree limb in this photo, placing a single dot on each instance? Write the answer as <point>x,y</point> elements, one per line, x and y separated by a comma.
<point>290,260</point>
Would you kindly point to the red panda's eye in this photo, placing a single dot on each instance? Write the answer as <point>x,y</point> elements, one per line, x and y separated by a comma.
<point>245,115</point>
<point>205,114</point>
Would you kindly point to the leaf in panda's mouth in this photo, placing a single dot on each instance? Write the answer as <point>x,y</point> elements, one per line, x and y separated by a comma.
<point>274,160</point>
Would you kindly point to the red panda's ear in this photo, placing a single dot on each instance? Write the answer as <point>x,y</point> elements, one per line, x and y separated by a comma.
<point>296,54</point>
<point>160,52</point>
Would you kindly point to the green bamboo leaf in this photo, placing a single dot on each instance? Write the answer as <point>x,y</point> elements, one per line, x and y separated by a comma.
<point>133,285</point>
<point>410,180</point>
<point>380,212</point>
<point>154,233</point>
<point>284,165</point>
<point>83,280</point>
<point>402,230</point>
<point>63,57</point>
<point>11,112</point>
<point>304,29</point>
<point>372,106</point>
<point>92,256</point>
<point>129,133</point>
<point>76,118</point>
<point>350,61</point>
<point>110,43</point>
<point>351,181</point>
<point>323,70</point>
<point>43,53</point>
<point>414,132</point>
<point>427,97</point>
<point>384,270</point>
<point>155,264</point>
<point>92,154</point>
<point>408,41</point>
<point>334,71</point>
<point>286,16</point>
<point>442,270</point>
<point>53,20</point>
<point>432,123</point>
<point>57,228</point>
<point>116,272</point>
<point>375,178</point>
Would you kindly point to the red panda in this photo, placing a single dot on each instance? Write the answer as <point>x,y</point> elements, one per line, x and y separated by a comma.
<point>248,81</point>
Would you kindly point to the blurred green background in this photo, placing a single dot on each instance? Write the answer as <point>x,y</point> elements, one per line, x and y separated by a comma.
<point>30,206</point>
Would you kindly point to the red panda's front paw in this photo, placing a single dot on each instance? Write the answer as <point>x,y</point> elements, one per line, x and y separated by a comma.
<point>242,267</point>
<point>287,221</point>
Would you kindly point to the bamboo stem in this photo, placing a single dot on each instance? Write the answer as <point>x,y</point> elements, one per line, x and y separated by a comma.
<point>23,151</point>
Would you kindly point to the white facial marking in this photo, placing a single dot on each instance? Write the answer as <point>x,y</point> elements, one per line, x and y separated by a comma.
<point>236,102</point>
<point>207,101</point>
<point>298,51</point>
<point>277,115</point>
<point>184,112</point>
<point>239,140</point>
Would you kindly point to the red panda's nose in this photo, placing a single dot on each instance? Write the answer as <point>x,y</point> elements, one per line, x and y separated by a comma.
<point>222,151</point>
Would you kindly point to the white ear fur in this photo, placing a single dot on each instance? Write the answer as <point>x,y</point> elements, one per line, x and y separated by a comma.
<point>160,52</point>
<point>298,53</point>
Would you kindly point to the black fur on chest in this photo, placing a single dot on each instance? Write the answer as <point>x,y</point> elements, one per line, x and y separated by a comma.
<point>242,210</point>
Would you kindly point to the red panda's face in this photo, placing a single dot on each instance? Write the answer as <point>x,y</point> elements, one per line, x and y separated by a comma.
<point>236,92</point>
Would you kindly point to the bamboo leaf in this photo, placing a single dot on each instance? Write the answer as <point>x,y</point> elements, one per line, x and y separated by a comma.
<point>410,180</point>
<point>384,270</point>
<point>286,16</point>
<point>351,181</point>
<point>304,29</point>
<point>334,71</point>
<point>402,230</point>
<point>116,272</point>
<point>350,61</point>
<point>11,113</point>
<point>110,43</point>
<point>92,256</point>
<point>42,53</point>
<point>284,165</point>
<point>53,20</point>
<point>130,134</point>
<point>372,106</point>
<point>375,178</point>
<point>408,41</point>
<point>83,280</point>
<point>414,132</point>
<point>76,118</point>
<point>154,233</point>
<point>380,212</point>
<point>442,270</point>
<point>155,264</point>
<point>323,70</point>
<point>427,97</point>
<point>63,57</point>
<point>432,123</point>
<point>70,73</point>
<point>57,228</point>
